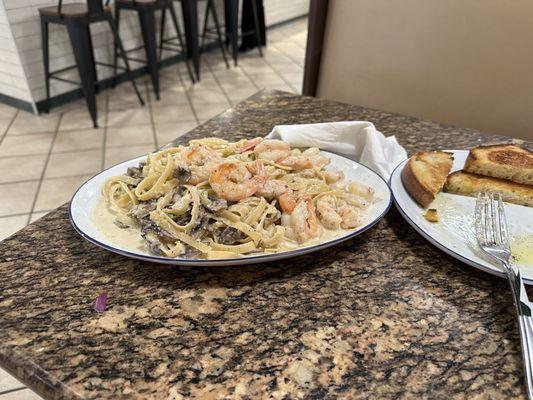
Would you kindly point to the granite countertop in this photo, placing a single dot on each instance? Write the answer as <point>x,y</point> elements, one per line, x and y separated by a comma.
<point>384,315</point>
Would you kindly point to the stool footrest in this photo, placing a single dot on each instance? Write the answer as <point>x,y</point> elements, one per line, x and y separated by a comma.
<point>61,70</point>
<point>110,65</point>
<point>176,46</point>
<point>57,78</point>
<point>134,49</point>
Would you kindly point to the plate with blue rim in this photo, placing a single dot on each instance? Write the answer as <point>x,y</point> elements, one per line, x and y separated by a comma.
<point>88,195</point>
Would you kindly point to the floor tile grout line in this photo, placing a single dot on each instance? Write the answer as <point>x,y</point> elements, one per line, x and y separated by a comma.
<point>152,120</point>
<point>290,58</point>
<point>188,97</point>
<point>44,168</point>
<point>14,135</point>
<point>19,181</point>
<point>249,77</point>
<point>281,76</point>
<point>14,215</point>
<point>47,179</point>
<point>218,83</point>
<point>9,126</point>
<point>114,146</point>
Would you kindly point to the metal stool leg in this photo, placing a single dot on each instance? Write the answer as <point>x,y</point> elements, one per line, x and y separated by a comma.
<point>118,43</point>
<point>46,61</point>
<point>147,21</point>
<point>204,30</point>
<point>190,19</point>
<point>219,33</point>
<point>92,65</point>
<point>162,33</point>
<point>79,39</point>
<point>180,41</point>
<point>234,29</point>
<point>115,55</point>
<point>256,26</point>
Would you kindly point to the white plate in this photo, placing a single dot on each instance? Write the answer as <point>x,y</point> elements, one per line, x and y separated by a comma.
<point>454,233</point>
<point>86,197</point>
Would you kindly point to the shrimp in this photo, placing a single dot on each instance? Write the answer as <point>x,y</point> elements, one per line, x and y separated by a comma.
<point>334,217</point>
<point>237,181</point>
<point>310,158</point>
<point>250,145</point>
<point>287,201</point>
<point>359,195</point>
<point>200,160</point>
<point>333,176</point>
<point>302,223</point>
<point>326,207</point>
<point>275,188</point>
<point>351,217</point>
<point>272,150</point>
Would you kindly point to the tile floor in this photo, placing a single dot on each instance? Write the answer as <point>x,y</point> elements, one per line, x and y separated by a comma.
<point>44,158</point>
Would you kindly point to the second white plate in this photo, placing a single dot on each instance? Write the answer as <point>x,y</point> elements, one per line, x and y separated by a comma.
<point>454,233</point>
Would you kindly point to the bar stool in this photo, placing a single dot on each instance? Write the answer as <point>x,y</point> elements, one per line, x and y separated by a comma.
<point>214,32</point>
<point>209,10</point>
<point>170,44</point>
<point>146,11</point>
<point>232,28</point>
<point>77,17</point>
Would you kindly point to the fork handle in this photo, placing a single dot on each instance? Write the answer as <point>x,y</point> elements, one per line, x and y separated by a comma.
<point>525,322</point>
<point>526,340</point>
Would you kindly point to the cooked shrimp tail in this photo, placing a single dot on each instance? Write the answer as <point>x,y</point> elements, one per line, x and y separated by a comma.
<point>302,223</point>
<point>234,181</point>
<point>250,145</point>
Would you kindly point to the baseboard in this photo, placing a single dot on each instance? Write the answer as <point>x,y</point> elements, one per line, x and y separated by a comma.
<point>287,21</point>
<point>17,103</point>
<point>67,97</point>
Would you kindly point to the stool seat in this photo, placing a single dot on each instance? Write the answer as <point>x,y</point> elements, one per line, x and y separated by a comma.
<point>72,10</point>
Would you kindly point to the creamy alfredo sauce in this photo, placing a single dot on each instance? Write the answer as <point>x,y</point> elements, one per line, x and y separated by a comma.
<point>128,238</point>
<point>131,239</point>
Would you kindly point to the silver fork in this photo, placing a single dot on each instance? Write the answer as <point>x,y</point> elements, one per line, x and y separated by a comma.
<point>493,238</point>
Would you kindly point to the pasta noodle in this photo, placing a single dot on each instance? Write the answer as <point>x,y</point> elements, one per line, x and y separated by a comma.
<point>219,199</point>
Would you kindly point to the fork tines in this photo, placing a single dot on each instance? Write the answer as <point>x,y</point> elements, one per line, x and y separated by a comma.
<point>491,224</point>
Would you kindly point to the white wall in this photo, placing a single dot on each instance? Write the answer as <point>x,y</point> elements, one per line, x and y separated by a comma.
<point>282,10</point>
<point>23,18</point>
<point>13,80</point>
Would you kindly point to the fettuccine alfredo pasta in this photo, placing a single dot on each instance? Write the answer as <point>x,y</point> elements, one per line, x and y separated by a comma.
<point>218,199</point>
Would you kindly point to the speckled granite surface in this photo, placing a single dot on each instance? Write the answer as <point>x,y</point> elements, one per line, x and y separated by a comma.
<point>385,315</point>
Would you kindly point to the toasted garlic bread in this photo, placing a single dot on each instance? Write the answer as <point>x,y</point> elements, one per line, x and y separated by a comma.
<point>424,174</point>
<point>503,161</point>
<point>465,183</point>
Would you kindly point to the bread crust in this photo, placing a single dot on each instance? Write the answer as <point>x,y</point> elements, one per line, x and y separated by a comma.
<point>423,194</point>
<point>504,161</point>
<point>414,187</point>
<point>468,184</point>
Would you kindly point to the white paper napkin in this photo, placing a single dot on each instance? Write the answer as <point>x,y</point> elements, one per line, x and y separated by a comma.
<point>357,140</point>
